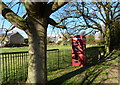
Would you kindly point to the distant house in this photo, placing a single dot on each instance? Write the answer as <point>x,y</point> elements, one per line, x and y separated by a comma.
<point>59,37</point>
<point>65,37</point>
<point>11,38</point>
<point>15,38</point>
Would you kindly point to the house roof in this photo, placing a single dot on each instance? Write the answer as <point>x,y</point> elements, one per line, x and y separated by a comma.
<point>15,33</point>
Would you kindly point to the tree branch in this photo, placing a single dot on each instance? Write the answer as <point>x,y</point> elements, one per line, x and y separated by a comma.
<point>52,22</point>
<point>88,33</point>
<point>13,18</point>
<point>99,8</point>
<point>7,32</point>
<point>58,4</point>
<point>118,3</point>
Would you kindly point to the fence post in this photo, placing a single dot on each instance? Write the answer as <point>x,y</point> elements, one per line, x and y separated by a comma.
<point>1,74</point>
<point>58,60</point>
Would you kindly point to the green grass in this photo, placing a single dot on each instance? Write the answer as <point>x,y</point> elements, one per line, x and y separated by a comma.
<point>13,70</point>
<point>13,49</point>
<point>19,49</point>
<point>96,71</point>
<point>84,75</point>
<point>59,47</point>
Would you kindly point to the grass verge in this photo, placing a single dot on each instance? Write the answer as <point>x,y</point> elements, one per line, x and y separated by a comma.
<point>99,72</point>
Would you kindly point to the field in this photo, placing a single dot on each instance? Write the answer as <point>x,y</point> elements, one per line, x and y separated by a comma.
<point>95,72</point>
<point>98,70</point>
<point>14,66</point>
<point>19,49</point>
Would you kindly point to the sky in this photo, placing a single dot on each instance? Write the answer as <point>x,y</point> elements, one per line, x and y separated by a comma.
<point>6,24</point>
<point>50,31</point>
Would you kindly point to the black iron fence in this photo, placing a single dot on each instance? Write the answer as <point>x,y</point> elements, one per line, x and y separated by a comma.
<point>14,65</point>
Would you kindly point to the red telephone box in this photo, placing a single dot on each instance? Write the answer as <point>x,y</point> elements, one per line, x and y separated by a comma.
<point>78,50</point>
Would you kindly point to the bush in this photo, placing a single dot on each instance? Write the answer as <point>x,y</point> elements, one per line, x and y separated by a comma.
<point>59,42</point>
<point>26,41</point>
<point>15,45</point>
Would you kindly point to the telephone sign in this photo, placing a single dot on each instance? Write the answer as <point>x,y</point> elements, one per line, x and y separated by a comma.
<point>78,50</point>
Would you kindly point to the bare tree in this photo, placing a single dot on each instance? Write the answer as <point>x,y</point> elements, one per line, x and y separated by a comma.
<point>35,25</point>
<point>88,15</point>
<point>91,14</point>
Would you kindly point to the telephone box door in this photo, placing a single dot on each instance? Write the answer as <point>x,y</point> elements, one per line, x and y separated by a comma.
<point>78,50</point>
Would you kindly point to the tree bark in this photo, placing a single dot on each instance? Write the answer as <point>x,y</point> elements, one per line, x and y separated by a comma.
<point>37,69</point>
<point>36,27</point>
<point>13,18</point>
<point>107,41</point>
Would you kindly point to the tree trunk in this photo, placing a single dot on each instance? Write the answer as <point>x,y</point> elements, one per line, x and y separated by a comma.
<point>37,69</point>
<point>107,41</point>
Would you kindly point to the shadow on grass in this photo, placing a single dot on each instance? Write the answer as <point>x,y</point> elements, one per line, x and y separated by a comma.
<point>93,54</point>
<point>93,61</point>
<point>67,76</point>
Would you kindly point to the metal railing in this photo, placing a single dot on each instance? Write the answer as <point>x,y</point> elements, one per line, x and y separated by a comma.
<point>14,65</point>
